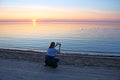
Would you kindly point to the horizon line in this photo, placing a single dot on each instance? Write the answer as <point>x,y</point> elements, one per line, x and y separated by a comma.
<point>59,20</point>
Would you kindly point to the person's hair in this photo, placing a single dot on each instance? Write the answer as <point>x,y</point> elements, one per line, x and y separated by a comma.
<point>52,45</point>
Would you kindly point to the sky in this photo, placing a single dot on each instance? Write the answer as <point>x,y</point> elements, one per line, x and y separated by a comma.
<point>71,10</point>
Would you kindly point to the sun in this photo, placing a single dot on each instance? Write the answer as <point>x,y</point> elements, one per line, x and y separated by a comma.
<point>34,20</point>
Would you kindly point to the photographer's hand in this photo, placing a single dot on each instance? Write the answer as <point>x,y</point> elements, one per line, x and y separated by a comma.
<point>57,44</point>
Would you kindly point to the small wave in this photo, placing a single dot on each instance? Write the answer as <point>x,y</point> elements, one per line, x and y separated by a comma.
<point>92,52</point>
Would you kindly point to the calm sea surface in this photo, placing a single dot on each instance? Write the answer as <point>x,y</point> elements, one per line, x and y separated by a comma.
<point>85,38</point>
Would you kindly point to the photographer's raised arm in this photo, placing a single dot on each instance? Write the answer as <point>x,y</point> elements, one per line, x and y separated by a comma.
<point>58,44</point>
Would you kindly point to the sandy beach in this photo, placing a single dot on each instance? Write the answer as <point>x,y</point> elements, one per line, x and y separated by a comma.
<point>28,65</point>
<point>12,69</point>
<point>65,58</point>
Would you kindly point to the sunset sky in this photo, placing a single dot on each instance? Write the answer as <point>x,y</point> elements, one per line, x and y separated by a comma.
<point>83,10</point>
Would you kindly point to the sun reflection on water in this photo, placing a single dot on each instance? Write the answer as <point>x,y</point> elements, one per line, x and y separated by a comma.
<point>34,22</point>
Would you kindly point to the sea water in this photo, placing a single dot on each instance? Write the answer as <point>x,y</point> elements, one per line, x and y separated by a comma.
<point>84,38</point>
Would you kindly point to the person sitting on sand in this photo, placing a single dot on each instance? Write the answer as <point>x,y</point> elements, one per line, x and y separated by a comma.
<point>50,59</point>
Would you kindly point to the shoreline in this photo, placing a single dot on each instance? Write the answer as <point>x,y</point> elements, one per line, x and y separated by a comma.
<point>82,52</point>
<point>65,58</point>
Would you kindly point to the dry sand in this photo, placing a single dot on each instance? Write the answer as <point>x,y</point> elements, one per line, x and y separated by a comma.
<point>13,69</point>
<point>28,65</point>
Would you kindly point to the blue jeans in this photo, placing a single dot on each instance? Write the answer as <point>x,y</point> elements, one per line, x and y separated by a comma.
<point>51,61</point>
<point>52,58</point>
<point>56,59</point>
